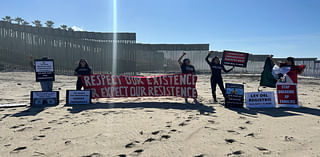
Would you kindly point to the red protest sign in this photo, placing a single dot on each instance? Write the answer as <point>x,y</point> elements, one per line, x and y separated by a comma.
<point>233,58</point>
<point>110,86</point>
<point>287,95</point>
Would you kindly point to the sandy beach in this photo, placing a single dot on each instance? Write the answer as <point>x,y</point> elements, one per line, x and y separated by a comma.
<point>156,126</point>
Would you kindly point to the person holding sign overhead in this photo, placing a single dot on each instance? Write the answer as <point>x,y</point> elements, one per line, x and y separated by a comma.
<point>82,69</point>
<point>216,77</point>
<point>186,68</point>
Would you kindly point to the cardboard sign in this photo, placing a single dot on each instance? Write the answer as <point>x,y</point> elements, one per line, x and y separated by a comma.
<point>260,100</point>
<point>111,86</point>
<point>287,95</point>
<point>238,59</point>
<point>78,97</point>
<point>44,69</point>
<point>234,95</point>
<point>39,98</point>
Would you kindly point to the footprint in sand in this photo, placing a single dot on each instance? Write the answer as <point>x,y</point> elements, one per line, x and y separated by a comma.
<point>165,137</point>
<point>149,140</point>
<point>207,127</point>
<point>38,154</point>
<point>93,155</point>
<point>212,122</point>
<point>39,137</point>
<point>22,129</point>
<point>264,150</point>
<point>52,121</point>
<point>122,155</point>
<point>17,150</point>
<point>250,135</point>
<point>172,130</point>
<point>229,141</point>
<point>46,128</point>
<point>34,120</point>
<point>185,122</point>
<point>248,122</point>
<point>131,144</point>
<point>67,142</point>
<point>156,132</point>
<point>288,138</point>
<point>234,132</point>
<point>239,152</point>
<point>16,126</point>
<point>242,127</point>
<point>137,152</point>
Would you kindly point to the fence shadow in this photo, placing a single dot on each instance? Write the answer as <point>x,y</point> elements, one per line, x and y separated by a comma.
<point>203,109</point>
<point>278,112</point>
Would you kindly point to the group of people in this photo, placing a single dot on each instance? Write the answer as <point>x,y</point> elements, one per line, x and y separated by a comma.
<point>280,70</point>
<point>216,77</point>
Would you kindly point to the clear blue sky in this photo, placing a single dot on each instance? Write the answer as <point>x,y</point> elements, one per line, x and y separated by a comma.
<point>281,27</point>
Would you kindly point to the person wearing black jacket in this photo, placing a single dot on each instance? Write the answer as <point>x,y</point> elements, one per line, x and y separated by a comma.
<point>216,77</point>
<point>82,69</point>
<point>187,68</point>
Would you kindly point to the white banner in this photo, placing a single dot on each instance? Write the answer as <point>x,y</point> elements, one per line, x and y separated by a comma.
<point>78,97</point>
<point>260,100</point>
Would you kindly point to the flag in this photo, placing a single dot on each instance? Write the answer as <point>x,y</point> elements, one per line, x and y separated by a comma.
<point>267,78</point>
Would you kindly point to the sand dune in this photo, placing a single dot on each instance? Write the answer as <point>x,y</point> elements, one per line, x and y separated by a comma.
<point>156,126</point>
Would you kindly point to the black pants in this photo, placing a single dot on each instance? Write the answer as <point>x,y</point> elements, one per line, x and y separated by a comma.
<point>79,84</point>
<point>214,82</point>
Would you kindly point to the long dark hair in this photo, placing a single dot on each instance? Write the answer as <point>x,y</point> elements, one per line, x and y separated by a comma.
<point>83,60</point>
<point>215,57</point>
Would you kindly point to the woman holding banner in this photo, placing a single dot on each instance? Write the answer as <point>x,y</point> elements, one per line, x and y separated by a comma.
<point>82,69</point>
<point>186,68</point>
<point>216,77</point>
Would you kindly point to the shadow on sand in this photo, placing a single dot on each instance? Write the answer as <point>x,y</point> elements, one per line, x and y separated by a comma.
<point>31,111</point>
<point>278,112</point>
<point>203,109</point>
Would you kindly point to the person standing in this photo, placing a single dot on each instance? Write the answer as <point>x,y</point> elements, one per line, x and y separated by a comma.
<point>287,71</point>
<point>187,68</point>
<point>216,77</point>
<point>82,69</point>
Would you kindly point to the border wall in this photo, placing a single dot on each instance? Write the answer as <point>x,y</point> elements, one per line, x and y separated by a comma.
<point>19,45</point>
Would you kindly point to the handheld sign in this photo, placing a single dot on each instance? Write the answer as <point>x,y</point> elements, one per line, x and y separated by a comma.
<point>238,59</point>
<point>44,69</point>
<point>287,95</point>
<point>260,100</point>
<point>39,98</point>
<point>78,97</point>
<point>234,95</point>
